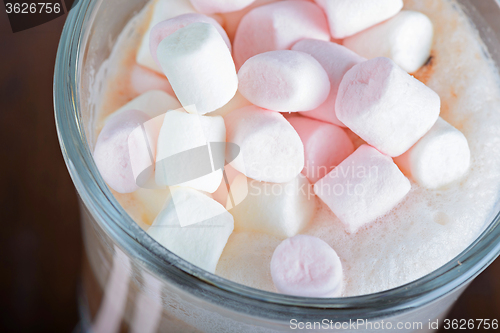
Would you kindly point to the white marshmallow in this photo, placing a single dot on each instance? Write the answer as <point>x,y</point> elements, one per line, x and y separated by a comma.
<point>153,103</point>
<point>348,17</point>
<point>220,6</point>
<point>336,60</point>
<point>142,142</point>
<point>385,106</point>
<point>162,10</point>
<point>439,158</point>
<point>284,81</point>
<point>406,38</point>
<point>270,149</point>
<point>190,206</point>
<point>193,226</point>
<point>199,67</point>
<point>184,156</point>
<point>365,186</point>
<point>282,210</point>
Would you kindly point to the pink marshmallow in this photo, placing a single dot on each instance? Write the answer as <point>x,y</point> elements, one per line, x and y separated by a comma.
<point>306,266</point>
<point>270,149</point>
<point>348,17</point>
<point>232,19</point>
<point>365,186</point>
<point>277,26</point>
<point>284,81</point>
<point>219,6</point>
<point>143,80</point>
<point>385,106</point>
<point>325,146</point>
<point>336,60</point>
<point>165,28</point>
<point>115,155</point>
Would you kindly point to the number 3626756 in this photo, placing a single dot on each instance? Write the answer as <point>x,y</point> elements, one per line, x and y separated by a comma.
<point>33,8</point>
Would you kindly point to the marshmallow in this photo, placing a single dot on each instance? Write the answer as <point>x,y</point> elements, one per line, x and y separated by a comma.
<point>199,67</point>
<point>365,186</point>
<point>191,206</point>
<point>142,142</point>
<point>406,38</point>
<point>439,158</point>
<point>113,155</point>
<point>336,60</point>
<point>282,210</point>
<point>248,254</point>
<point>165,28</point>
<point>325,146</point>
<point>385,106</point>
<point>232,19</point>
<point>284,81</point>
<point>237,102</point>
<point>193,226</point>
<point>162,10</point>
<point>270,149</point>
<point>143,80</point>
<point>348,17</point>
<point>153,103</point>
<point>185,152</point>
<point>219,6</point>
<point>277,26</point>
<point>306,266</point>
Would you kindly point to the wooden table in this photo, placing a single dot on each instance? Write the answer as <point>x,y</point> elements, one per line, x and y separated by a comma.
<point>40,243</point>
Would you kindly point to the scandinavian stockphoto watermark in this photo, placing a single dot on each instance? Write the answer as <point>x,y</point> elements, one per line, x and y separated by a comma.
<point>351,182</point>
<point>27,14</point>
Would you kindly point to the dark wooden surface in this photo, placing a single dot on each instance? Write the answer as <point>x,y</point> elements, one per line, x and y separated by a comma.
<point>40,246</point>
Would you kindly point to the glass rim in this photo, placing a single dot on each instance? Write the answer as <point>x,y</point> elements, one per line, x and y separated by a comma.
<point>123,230</point>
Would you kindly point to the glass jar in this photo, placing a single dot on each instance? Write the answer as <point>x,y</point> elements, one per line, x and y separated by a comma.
<point>132,283</point>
